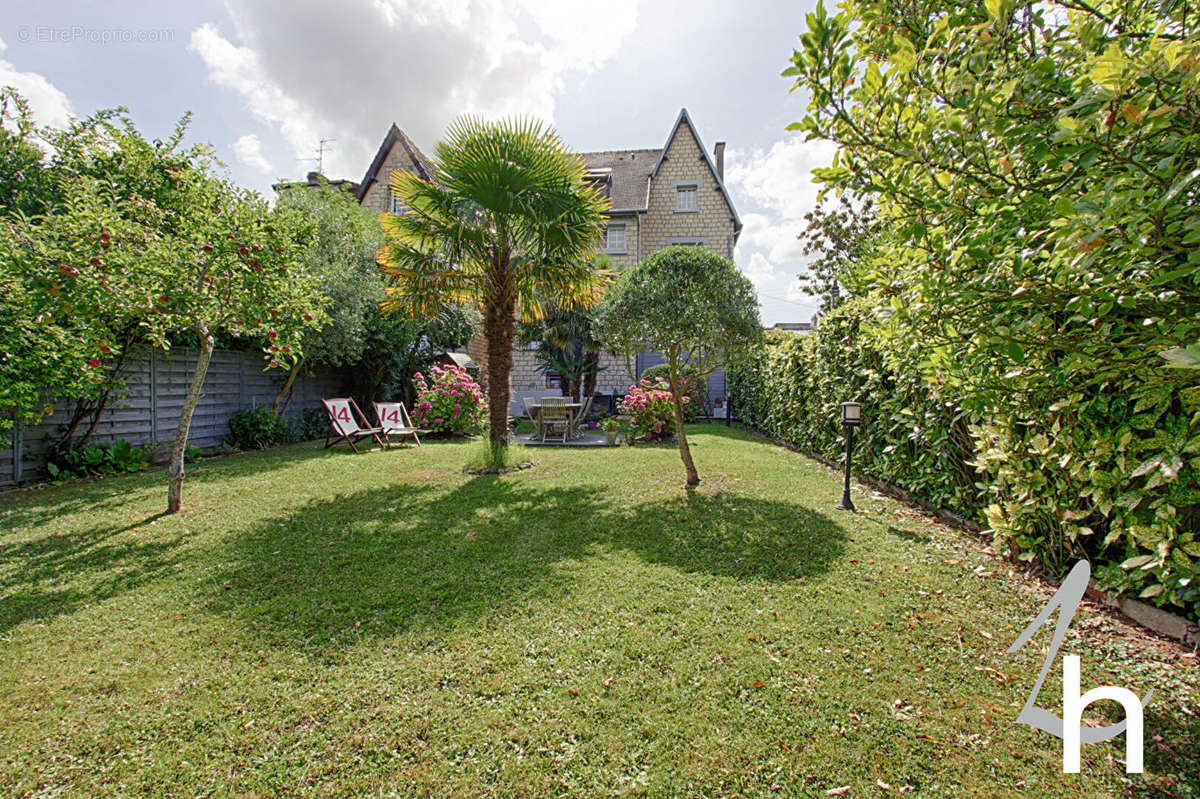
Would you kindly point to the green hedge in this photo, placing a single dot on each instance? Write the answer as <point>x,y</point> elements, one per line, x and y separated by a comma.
<point>1112,478</point>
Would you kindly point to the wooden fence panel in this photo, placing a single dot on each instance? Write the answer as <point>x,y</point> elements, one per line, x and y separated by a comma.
<point>156,385</point>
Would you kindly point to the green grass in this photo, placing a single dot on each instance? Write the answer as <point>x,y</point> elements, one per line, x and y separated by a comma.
<point>323,623</point>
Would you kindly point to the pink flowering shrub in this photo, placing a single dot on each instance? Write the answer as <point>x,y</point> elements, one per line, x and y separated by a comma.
<point>650,408</point>
<point>449,401</point>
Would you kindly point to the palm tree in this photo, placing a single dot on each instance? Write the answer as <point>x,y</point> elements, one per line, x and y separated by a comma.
<point>567,347</point>
<point>510,224</point>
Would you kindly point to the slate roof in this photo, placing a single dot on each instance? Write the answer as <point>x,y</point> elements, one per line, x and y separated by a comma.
<point>425,168</point>
<point>629,180</point>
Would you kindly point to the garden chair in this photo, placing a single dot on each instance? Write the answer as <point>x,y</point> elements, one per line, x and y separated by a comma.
<point>554,417</point>
<point>394,421</point>
<point>344,424</point>
<point>579,417</point>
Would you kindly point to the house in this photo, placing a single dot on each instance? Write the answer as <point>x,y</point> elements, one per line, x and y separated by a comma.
<point>315,180</point>
<point>674,194</point>
<point>793,327</point>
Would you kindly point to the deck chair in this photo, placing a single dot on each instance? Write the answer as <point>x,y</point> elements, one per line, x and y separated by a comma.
<point>344,426</point>
<point>394,420</point>
<point>554,417</point>
<point>579,417</point>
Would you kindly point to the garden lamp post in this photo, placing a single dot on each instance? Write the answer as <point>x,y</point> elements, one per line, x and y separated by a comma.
<point>851,418</point>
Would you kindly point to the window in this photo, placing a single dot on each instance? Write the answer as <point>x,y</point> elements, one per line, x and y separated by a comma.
<point>685,199</point>
<point>397,206</point>
<point>553,380</point>
<point>614,238</point>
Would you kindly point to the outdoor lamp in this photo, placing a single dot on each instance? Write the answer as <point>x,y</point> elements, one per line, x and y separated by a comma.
<point>851,418</point>
<point>851,413</point>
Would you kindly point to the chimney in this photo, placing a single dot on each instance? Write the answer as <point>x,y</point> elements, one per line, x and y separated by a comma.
<point>719,154</point>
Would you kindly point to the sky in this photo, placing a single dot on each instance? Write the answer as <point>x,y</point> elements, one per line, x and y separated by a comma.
<point>265,80</point>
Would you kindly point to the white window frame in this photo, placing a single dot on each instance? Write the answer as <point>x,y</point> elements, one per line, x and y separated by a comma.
<point>682,192</point>
<point>608,246</point>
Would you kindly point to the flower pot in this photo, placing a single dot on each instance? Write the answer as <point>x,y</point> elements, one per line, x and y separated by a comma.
<point>610,437</point>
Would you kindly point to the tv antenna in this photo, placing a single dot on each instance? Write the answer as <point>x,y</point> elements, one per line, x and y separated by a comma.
<point>320,159</point>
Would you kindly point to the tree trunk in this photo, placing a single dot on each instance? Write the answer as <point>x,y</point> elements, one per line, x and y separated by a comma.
<point>498,327</point>
<point>589,381</point>
<point>175,466</point>
<point>284,397</point>
<point>693,478</point>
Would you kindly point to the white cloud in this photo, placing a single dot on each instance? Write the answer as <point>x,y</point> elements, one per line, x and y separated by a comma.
<point>775,187</point>
<point>311,70</point>
<point>48,105</point>
<point>248,150</point>
<point>759,269</point>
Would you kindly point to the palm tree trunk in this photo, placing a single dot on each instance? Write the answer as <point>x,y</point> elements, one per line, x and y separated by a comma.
<point>175,466</point>
<point>498,327</point>
<point>693,478</point>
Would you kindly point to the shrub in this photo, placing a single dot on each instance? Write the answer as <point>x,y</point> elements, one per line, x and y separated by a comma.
<point>651,409</point>
<point>304,425</point>
<point>1111,480</point>
<point>253,428</point>
<point>120,456</point>
<point>694,384</point>
<point>449,401</point>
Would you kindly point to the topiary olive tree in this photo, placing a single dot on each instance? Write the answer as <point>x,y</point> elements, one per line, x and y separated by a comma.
<point>691,306</point>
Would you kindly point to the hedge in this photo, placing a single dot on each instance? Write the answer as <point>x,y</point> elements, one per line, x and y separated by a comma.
<point>1115,480</point>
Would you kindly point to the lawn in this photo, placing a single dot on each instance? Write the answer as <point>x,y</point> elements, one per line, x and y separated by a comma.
<point>323,623</point>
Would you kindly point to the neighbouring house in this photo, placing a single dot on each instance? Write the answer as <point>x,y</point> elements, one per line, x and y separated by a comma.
<point>674,194</point>
<point>312,181</point>
<point>793,327</point>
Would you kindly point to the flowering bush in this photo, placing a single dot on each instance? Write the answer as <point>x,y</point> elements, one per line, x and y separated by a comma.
<point>691,382</point>
<point>650,407</point>
<point>449,401</point>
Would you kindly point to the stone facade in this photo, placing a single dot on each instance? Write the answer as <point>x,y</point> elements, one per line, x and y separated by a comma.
<point>397,153</point>
<point>713,224</point>
<point>614,377</point>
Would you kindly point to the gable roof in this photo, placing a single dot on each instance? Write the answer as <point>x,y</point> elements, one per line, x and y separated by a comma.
<point>684,119</point>
<point>628,178</point>
<point>425,168</point>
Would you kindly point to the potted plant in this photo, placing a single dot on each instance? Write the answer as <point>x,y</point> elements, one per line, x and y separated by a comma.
<point>611,426</point>
<point>593,421</point>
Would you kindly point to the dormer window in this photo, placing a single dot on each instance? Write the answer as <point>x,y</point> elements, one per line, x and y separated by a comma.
<point>686,198</point>
<point>614,239</point>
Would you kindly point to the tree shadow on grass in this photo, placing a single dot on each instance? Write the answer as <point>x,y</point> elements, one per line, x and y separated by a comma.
<point>56,574</point>
<point>384,561</point>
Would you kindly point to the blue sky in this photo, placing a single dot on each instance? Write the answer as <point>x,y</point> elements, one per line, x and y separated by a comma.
<point>265,80</point>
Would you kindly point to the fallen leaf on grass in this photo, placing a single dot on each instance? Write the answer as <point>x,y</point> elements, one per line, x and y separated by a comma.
<point>845,789</point>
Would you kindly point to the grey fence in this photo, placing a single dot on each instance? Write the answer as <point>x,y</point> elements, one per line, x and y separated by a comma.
<point>156,385</point>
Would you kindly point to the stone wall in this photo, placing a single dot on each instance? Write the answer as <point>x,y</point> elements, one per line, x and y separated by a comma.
<point>711,224</point>
<point>379,195</point>
<point>629,256</point>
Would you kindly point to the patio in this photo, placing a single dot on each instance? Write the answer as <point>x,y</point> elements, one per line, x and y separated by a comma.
<point>585,438</point>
